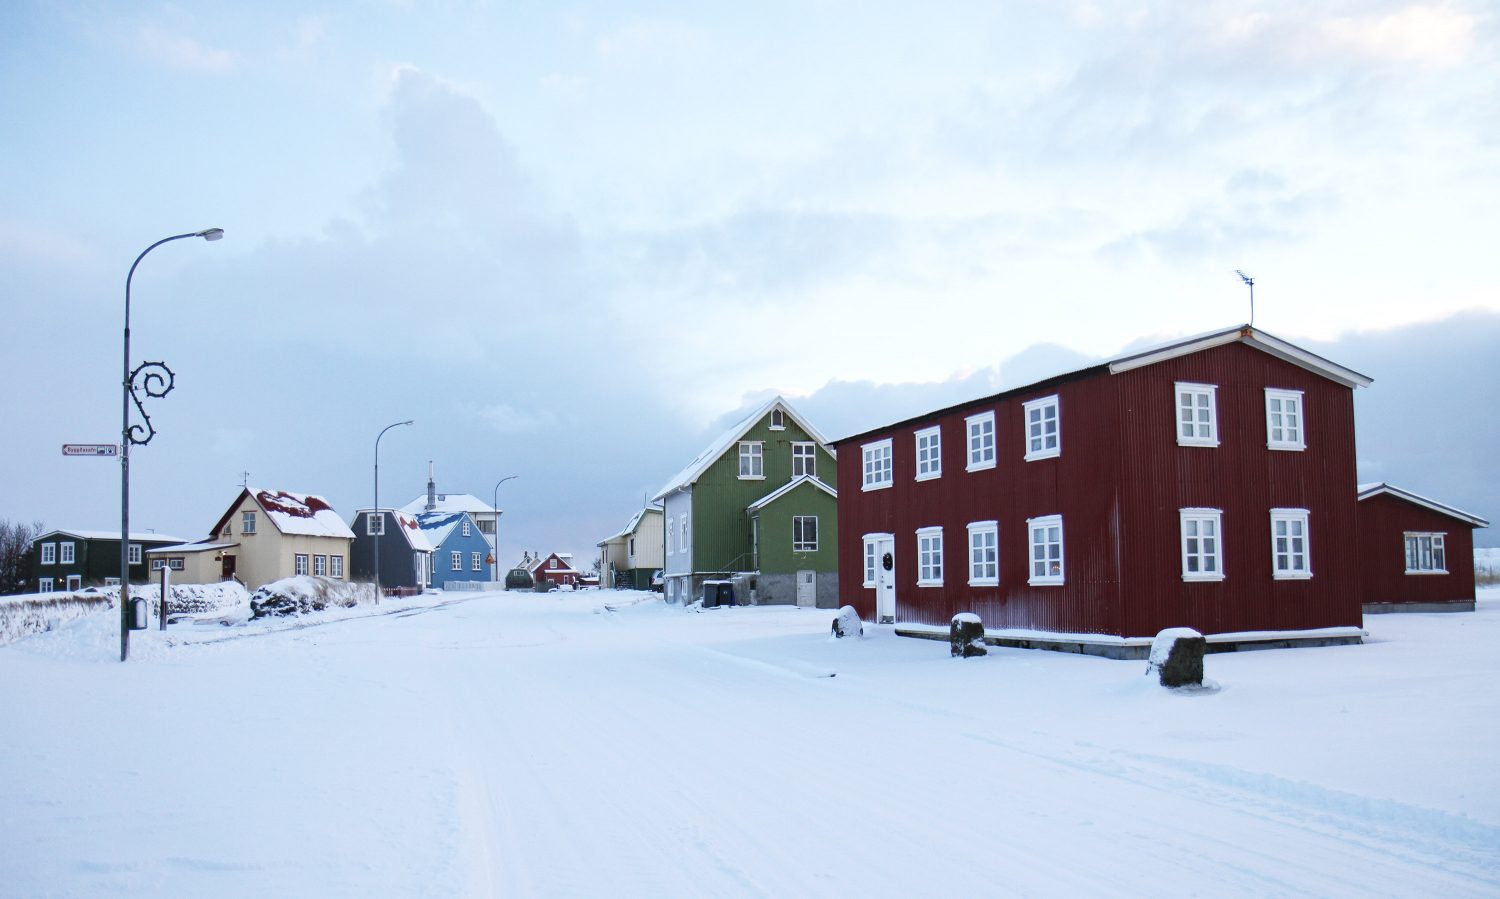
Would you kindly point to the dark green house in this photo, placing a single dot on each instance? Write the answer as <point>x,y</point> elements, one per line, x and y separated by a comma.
<point>72,560</point>
<point>759,506</point>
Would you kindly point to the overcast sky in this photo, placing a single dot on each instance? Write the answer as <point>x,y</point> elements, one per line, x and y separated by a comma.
<point>571,240</point>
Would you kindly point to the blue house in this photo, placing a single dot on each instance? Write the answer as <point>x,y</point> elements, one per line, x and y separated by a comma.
<point>405,554</point>
<point>460,550</point>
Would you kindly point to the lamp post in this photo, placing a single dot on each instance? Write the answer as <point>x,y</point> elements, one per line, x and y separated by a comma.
<point>495,546</point>
<point>377,502</point>
<point>154,385</point>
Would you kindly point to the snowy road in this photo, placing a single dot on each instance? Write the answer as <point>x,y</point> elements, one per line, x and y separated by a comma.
<point>549,746</point>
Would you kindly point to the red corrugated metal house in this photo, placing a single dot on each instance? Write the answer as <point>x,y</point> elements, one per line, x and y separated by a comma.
<point>555,567</point>
<point>1206,483</point>
<point>1416,554</point>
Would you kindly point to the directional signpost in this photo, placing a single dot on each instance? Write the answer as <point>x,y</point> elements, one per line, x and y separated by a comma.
<point>90,449</point>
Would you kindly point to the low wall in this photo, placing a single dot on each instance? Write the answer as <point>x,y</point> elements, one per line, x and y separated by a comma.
<point>473,586</point>
<point>39,614</point>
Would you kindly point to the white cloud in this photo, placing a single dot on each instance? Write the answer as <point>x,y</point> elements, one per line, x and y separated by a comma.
<point>1433,35</point>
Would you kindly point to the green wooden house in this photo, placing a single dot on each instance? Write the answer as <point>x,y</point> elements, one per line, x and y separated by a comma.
<point>760,506</point>
<point>71,560</point>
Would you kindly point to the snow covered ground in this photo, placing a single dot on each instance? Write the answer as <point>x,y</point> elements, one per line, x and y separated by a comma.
<point>603,743</point>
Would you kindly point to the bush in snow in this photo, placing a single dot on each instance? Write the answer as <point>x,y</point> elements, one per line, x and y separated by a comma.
<point>966,636</point>
<point>23,616</point>
<point>1177,653</point>
<point>847,624</point>
<point>303,593</point>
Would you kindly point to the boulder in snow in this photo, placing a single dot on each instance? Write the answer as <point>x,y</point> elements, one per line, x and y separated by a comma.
<point>966,636</point>
<point>847,624</point>
<point>302,594</point>
<point>1177,655</point>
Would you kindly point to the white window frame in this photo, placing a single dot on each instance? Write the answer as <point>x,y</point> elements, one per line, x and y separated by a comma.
<point>1200,397</point>
<point>1436,556</point>
<point>158,564</point>
<point>984,554</point>
<point>336,566</point>
<point>299,563</point>
<point>133,555</point>
<point>49,554</point>
<point>1276,435</point>
<point>455,560</point>
<point>476,562</point>
<point>929,444</point>
<point>804,459</point>
<point>684,539</point>
<point>1192,545</point>
<point>1041,525</point>
<point>111,582</point>
<point>752,460</point>
<point>44,585</point>
<point>981,451</point>
<point>247,523</point>
<point>872,559</point>
<point>67,553</point>
<point>1290,572</point>
<point>1036,443</point>
<point>803,545</point>
<point>671,529</point>
<point>878,465</point>
<point>930,556</point>
<point>778,420</point>
<point>75,582</point>
<point>320,565</point>
<point>467,530</point>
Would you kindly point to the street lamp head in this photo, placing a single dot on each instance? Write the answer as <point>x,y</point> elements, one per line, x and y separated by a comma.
<point>409,421</point>
<point>211,234</point>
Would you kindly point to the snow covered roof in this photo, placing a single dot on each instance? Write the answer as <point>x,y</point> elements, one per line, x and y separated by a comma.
<point>716,449</point>
<point>1250,336</point>
<point>189,548</point>
<point>438,525</point>
<point>450,502</point>
<point>135,536</point>
<point>635,522</point>
<point>411,529</point>
<point>788,487</point>
<point>300,514</point>
<point>1365,491</point>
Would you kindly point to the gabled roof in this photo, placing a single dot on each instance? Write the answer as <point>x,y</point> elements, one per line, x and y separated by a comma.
<point>709,456</point>
<point>410,529</point>
<point>635,522</point>
<point>450,502</point>
<point>1251,337</point>
<point>202,546</point>
<point>135,536</point>
<point>788,487</point>
<point>439,525</point>
<point>301,514</point>
<point>533,565</point>
<point>1368,490</point>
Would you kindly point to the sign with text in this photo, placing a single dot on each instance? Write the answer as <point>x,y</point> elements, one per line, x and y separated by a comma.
<point>90,449</point>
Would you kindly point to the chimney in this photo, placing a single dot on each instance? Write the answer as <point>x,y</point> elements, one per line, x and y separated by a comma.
<point>431,488</point>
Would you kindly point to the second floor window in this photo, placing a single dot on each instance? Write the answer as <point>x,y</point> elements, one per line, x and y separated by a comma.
<point>804,460</point>
<point>466,527</point>
<point>1284,429</point>
<point>930,453</point>
<point>752,465</point>
<point>981,441</point>
<point>49,553</point>
<point>67,553</point>
<point>1043,438</point>
<point>247,522</point>
<point>877,465</point>
<point>375,525</point>
<point>1197,415</point>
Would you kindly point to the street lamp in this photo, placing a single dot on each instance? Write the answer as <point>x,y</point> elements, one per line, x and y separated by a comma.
<point>495,545</point>
<point>154,385</point>
<point>377,503</point>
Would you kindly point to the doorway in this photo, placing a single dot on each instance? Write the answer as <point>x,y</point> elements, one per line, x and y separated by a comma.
<point>885,579</point>
<point>807,589</point>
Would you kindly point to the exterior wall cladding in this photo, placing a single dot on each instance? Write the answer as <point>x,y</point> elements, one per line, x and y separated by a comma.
<point>1383,523</point>
<point>1118,483</point>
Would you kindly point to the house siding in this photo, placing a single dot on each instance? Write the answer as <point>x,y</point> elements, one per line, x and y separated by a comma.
<point>1384,521</point>
<point>94,560</point>
<point>779,564</point>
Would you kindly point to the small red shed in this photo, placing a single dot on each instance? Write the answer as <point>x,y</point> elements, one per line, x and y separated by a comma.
<point>1416,554</point>
<point>1206,483</point>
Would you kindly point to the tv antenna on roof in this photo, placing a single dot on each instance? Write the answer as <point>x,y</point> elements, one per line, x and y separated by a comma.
<point>1250,282</point>
<point>244,479</point>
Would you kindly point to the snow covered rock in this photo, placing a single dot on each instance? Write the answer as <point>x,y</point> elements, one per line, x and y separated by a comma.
<point>1177,654</point>
<point>302,594</point>
<point>847,624</point>
<point>966,636</point>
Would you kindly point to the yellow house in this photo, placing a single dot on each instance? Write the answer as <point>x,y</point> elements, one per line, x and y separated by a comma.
<point>264,536</point>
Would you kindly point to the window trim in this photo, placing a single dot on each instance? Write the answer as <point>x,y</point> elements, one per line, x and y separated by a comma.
<point>336,565</point>
<point>808,452</point>
<point>247,518</point>
<point>805,546</point>
<point>455,560</point>
<point>925,576</point>
<point>133,554</point>
<point>45,585</point>
<point>466,529</point>
<point>969,424</point>
<point>475,562</point>
<point>888,469</point>
<point>992,528</point>
<point>872,559</point>
<point>757,458</point>
<point>74,582</point>
<point>1439,543</point>
<point>1201,514</point>
<point>1041,523</point>
<point>684,537</point>
<point>299,564</point>
<point>1189,388</point>
<point>1292,574</point>
<point>1284,394</point>
<point>67,553</point>
<point>49,554</point>
<point>320,565</point>
<point>1043,403</point>
<point>935,459</point>
<point>777,421</point>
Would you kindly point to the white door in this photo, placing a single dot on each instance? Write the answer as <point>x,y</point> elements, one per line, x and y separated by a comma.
<point>807,589</point>
<point>885,579</point>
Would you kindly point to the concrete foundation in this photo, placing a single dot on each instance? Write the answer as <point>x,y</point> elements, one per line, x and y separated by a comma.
<point>1134,648</point>
<point>1384,608</point>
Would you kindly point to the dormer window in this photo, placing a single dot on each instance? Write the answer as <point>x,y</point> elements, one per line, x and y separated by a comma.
<point>375,525</point>
<point>778,420</point>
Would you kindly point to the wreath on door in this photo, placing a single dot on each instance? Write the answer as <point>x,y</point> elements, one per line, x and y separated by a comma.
<point>887,562</point>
